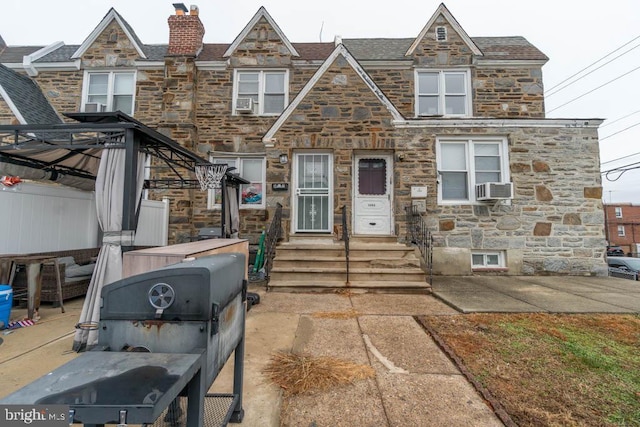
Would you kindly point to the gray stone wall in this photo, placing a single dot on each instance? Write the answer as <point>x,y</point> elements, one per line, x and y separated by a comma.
<point>339,115</point>
<point>63,89</point>
<point>553,225</point>
<point>508,92</point>
<point>6,116</point>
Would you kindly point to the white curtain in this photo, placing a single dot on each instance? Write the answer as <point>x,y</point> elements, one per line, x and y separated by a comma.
<point>109,202</point>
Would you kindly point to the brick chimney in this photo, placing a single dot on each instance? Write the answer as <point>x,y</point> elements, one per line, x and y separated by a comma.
<point>186,32</point>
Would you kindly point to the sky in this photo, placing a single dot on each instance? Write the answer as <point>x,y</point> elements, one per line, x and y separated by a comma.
<point>600,37</point>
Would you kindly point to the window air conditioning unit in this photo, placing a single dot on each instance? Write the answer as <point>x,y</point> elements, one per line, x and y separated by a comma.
<point>244,105</point>
<point>94,107</point>
<point>494,191</point>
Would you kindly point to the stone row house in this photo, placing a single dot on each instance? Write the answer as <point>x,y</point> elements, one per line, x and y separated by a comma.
<point>451,124</point>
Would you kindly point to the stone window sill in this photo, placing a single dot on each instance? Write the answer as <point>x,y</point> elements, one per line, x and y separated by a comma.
<point>489,269</point>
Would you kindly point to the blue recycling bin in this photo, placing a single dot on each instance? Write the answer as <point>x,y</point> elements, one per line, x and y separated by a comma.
<point>6,301</point>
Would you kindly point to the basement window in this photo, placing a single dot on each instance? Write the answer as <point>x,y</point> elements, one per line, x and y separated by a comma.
<point>487,260</point>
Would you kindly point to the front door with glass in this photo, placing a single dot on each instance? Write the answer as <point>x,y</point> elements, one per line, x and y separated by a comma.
<point>313,204</point>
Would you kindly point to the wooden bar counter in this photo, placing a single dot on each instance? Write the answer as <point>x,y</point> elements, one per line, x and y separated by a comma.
<point>143,260</point>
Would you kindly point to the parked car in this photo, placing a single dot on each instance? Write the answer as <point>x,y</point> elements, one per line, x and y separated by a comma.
<point>614,251</point>
<point>625,263</point>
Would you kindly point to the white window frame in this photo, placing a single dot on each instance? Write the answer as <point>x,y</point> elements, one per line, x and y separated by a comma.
<point>111,84</point>
<point>621,231</point>
<point>259,109</point>
<point>441,94</point>
<point>211,204</point>
<point>485,255</point>
<point>618,211</point>
<point>470,164</point>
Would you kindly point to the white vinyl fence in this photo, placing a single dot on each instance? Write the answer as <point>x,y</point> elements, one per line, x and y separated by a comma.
<point>153,223</point>
<point>47,218</point>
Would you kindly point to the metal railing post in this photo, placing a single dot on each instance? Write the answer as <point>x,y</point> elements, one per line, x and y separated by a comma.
<point>274,233</point>
<point>419,235</point>
<point>345,238</point>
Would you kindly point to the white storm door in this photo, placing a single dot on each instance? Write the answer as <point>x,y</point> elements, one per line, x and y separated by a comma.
<point>373,190</point>
<point>313,193</point>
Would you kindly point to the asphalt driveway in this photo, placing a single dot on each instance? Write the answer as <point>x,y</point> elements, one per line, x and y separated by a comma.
<point>550,294</point>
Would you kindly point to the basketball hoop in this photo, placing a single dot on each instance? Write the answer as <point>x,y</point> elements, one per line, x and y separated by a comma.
<point>209,175</point>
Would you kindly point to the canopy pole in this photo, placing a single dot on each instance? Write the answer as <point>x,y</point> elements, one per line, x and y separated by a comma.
<point>130,203</point>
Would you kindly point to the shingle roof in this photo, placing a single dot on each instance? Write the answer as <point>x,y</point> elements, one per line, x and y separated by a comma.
<point>311,51</point>
<point>508,48</point>
<point>380,49</point>
<point>62,54</point>
<point>27,98</point>
<point>155,52</point>
<point>14,54</point>
<point>213,52</point>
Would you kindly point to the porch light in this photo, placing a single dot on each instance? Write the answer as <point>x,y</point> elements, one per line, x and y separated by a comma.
<point>284,158</point>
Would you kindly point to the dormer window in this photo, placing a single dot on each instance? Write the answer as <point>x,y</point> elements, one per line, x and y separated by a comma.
<point>443,93</point>
<point>262,93</point>
<point>441,34</point>
<point>109,91</point>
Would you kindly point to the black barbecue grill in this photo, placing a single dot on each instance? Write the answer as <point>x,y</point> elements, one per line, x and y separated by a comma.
<point>163,338</point>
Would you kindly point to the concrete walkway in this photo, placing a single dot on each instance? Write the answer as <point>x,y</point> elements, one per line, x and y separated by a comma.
<point>552,294</point>
<point>415,383</point>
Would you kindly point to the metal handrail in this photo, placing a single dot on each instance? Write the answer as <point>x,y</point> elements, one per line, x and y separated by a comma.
<point>345,238</point>
<point>274,233</point>
<point>419,235</point>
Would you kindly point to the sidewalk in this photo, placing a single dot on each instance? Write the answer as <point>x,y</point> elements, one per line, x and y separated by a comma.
<point>415,384</point>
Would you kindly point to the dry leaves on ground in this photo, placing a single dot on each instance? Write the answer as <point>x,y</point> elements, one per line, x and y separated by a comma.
<point>297,374</point>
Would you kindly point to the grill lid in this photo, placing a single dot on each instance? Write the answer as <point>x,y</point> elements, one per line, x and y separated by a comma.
<point>178,292</point>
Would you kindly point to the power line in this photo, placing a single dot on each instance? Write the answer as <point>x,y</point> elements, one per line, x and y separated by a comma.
<point>620,171</point>
<point>617,120</point>
<point>594,63</point>
<point>619,158</point>
<point>593,90</point>
<point>592,71</point>
<point>620,131</point>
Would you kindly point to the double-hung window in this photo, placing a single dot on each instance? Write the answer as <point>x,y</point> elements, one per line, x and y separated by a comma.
<point>253,169</point>
<point>443,93</point>
<point>621,231</point>
<point>465,162</point>
<point>259,92</point>
<point>618,212</point>
<point>109,91</point>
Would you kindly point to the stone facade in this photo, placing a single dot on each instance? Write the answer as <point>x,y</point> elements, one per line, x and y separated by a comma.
<point>552,225</point>
<point>6,115</point>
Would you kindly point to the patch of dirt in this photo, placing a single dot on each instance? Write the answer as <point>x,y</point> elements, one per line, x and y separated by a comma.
<point>552,370</point>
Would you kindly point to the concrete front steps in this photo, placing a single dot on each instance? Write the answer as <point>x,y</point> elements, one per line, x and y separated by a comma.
<point>374,263</point>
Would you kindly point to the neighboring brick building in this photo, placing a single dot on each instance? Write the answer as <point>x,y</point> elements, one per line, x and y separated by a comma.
<point>623,226</point>
<point>373,124</point>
